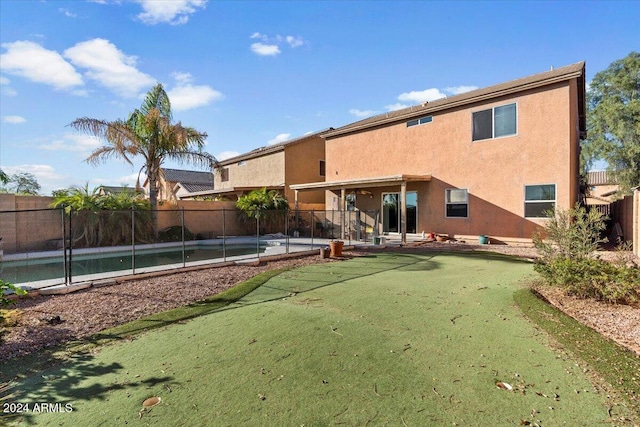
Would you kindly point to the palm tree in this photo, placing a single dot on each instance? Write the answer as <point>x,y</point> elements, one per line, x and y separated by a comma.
<point>150,133</point>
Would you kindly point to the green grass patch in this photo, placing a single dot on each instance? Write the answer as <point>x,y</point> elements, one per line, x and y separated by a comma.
<point>48,358</point>
<point>618,366</point>
<point>388,339</point>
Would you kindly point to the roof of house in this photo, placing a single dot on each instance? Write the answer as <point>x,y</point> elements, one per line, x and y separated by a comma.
<point>599,178</point>
<point>568,72</point>
<point>188,177</point>
<point>268,149</point>
<point>118,189</point>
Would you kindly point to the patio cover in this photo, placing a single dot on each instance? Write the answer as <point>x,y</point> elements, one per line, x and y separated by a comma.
<point>362,183</point>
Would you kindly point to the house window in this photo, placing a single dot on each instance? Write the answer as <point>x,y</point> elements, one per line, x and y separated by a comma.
<point>242,163</point>
<point>538,200</point>
<point>420,121</point>
<point>224,174</point>
<point>457,203</point>
<point>322,171</point>
<point>494,122</point>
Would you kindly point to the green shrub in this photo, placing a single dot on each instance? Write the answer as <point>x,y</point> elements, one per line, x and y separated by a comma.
<point>6,286</point>
<point>567,246</point>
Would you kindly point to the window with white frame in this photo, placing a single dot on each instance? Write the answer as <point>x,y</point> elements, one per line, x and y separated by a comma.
<point>457,202</point>
<point>538,200</point>
<point>495,122</point>
<point>420,121</point>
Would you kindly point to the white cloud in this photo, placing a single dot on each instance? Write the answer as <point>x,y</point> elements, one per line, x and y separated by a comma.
<point>32,61</point>
<point>294,41</point>
<point>45,174</point>
<point>279,138</point>
<point>67,13</point>
<point>362,113</point>
<point>270,46</point>
<point>109,66</point>
<point>396,106</point>
<point>421,96</point>
<point>186,96</point>
<point>173,12</point>
<point>14,119</point>
<point>227,155</point>
<point>70,142</point>
<point>265,49</point>
<point>456,90</point>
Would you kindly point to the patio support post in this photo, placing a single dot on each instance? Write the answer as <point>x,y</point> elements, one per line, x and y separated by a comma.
<point>403,211</point>
<point>343,208</point>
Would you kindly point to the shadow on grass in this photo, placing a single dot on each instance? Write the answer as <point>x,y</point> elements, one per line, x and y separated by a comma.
<point>58,388</point>
<point>618,366</point>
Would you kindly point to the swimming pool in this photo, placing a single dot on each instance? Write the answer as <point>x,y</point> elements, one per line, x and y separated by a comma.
<point>50,268</point>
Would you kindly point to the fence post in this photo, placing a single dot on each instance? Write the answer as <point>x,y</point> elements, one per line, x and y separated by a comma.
<point>313,227</point>
<point>258,236</point>
<point>184,262</point>
<point>286,232</point>
<point>224,236</point>
<point>133,240</point>
<point>70,245</point>
<point>64,247</point>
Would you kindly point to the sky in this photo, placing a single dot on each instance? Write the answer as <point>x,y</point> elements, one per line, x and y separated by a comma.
<point>254,73</point>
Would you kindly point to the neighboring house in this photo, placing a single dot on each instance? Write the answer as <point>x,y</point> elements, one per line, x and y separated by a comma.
<point>601,190</point>
<point>275,167</point>
<point>178,184</point>
<point>486,162</point>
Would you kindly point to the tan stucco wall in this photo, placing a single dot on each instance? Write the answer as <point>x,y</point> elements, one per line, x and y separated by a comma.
<point>263,171</point>
<point>302,165</point>
<point>495,171</point>
<point>28,231</point>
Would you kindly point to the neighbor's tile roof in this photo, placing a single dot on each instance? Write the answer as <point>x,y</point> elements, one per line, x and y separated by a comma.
<point>188,177</point>
<point>599,178</point>
<point>272,148</point>
<point>195,188</point>
<point>576,70</point>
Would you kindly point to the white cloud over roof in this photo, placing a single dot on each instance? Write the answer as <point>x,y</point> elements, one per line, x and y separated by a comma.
<point>109,67</point>
<point>32,61</point>
<point>173,12</point>
<point>282,137</point>
<point>362,113</point>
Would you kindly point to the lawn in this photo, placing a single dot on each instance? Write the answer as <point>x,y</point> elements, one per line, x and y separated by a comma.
<point>386,339</point>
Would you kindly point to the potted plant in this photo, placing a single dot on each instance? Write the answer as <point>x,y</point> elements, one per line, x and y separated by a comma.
<point>336,248</point>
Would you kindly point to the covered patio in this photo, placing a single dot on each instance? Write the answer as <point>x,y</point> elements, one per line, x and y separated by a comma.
<point>365,184</point>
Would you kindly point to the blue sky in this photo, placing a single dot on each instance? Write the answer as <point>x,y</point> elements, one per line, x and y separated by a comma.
<point>254,73</point>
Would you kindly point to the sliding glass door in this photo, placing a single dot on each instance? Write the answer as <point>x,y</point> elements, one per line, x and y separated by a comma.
<point>391,206</point>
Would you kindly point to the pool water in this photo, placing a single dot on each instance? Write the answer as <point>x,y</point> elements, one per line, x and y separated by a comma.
<point>37,269</point>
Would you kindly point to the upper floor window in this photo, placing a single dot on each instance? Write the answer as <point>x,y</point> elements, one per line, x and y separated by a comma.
<point>457,202</point>
<point>242,163</point>
<point>224,174</point>
<point>495,122</point>
<point>323,168</point>
<point>420,121</point>
<point>538,200</point>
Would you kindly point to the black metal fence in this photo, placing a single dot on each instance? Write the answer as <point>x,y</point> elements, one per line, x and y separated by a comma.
<point>45,247</point>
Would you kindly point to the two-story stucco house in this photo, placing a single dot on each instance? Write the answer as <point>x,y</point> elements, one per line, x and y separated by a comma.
<point>276,167</point>
<point>486,162</point>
